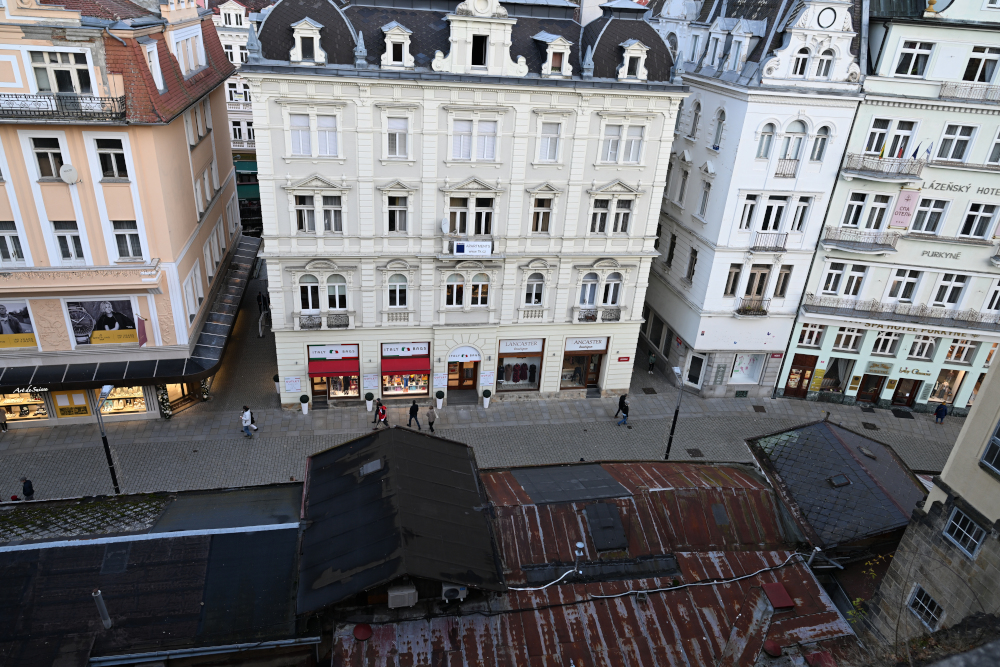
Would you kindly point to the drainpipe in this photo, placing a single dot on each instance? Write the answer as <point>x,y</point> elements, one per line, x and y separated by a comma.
<point>114,36</point>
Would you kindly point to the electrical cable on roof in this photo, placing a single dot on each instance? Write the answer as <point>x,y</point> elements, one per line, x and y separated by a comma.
<point>538,588</point>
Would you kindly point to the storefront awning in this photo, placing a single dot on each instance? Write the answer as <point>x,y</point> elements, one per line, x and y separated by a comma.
<point>248,191</point>
<point>319,369</point>
<point>406,365</point>
<point>246,166</point>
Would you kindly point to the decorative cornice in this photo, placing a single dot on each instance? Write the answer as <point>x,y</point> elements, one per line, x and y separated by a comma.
<point>474,107</point>
<point>930,105</point>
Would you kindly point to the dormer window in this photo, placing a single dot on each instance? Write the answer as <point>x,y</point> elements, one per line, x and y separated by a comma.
<point>801,62</point>
<point>397,54</point>
<point>634,63</point>
<point>479,50</point>
<point>397,46</point>
<point>306,48</point>
<point>153,62</point>
<point>633,66</point>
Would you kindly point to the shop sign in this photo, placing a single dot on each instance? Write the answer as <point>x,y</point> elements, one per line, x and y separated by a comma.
<point>584,344</point>
<point>905,205</point>
<point>16,327</point>
<point>623,358</point>
<point>487,379</point>
<point>943,255</point>
<point>371,382</point>
<point>523,345</point>
<point>464,353</point>
<point>817,379</point>
<point>333,352</point>
<point>777,355</point>
<point>891,384</point>
<point>914,371</point>
<point>894,327</point>
<point>474,248</point>
<point>878,368</point>
<point>440,380</point>
<point>406,349</point>
<point>30,389</point>
<point>102,322</point>
<point>293,384</point>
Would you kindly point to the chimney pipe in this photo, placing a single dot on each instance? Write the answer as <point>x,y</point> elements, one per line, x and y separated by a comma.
<point>101,609</point>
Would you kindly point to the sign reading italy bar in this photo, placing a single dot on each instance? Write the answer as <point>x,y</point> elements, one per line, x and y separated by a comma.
<point>333,351</point>
<point>406,349</point>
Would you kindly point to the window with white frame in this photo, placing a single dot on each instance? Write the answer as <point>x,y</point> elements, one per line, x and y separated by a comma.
<point>458,215</point>
<point>992,301</point>
<point>964,532</point>
<point>237,130</point>
<point>961,351</point>
<point>978,221</point>
<point>336,292</point>
<point>61,72</point>
<point>398,130</point>
<point>795,136</point>
<point>209,264</point>
<point>720,126</point>
<point>713,51</point>
<point>249,128</point>
<point>192,290</point>
<point>599,216</point>
<point>734,58</point>
<point>486,140</point>
<point>454,290</point>
<point>534,289</point>
<point>484,216</point>
<point>692,263</point>
<point>397,291</point>
<point>991,456</point>
<point>588,290</point>
<point>301,144</point>
<point>811,335</point>
<point>925,608</point>
<point>622,144</point>
<point>922,347</point>
<point>876,135</point>
<point>541,213</point>
<point>913,58</point>
<point>824,61</point>
<point>774,211</point>
<point>482,134</point>
<point>819,144</point>
<point>695,120</point>
<point>801,62</point>
<point>127,239</point>
<point>623,214</point>
<point>994,156</point>
<point>397,214</point>
<point>749,208</point>
<point>461,140</point>
<point>480,293</point>
<point>612,290</point>
<point>982,64</point>
<point>706,191</point>
<point>480,50</point>
<point>831,281</point>
<point>694,46</point>
<point>548,150</point>
<point>902,135</point>
<point>238,92</point>
<point>682,190</point>
<point>228,48</point>
<point>949,289</point>
<point>801,213</point>
<point>333,214</point>
<point>989,355</point>
<point>784,280</point>
<point>766,139</point>
<point>955,142</point>
<point>877,211</point>
<point>68,238</point>
<point>848,339</point>
<point>929,215</point>
<point>733,280</point>
<point>305,213</point>
<point>48,155</point>
<point>11,253</point>
<point>855,207</point>
<point>153,63</point>
<point>669,259</point>
<point>112,158</point>
<point>309,294</point>
<point>326,134</point>
<point>904,283</point>
<point>886,343</point>
<point>244,54</point>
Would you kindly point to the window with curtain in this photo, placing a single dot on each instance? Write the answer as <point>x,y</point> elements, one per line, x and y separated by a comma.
<point>480,290</point>
<point>454,290</point>
<point>336,291</point>
<point>397,291</point>
<point>300,134</point>
<point>588,291</point>
<point>533,293</point>
<point>766,139</point>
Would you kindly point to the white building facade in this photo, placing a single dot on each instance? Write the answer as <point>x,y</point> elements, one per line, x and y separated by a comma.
<point>756,152</point>
<point>458,199</point>
<point>903,303</point>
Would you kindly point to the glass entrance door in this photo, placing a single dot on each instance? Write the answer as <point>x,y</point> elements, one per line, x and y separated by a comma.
<point>871,387</point>
<point>905,392</point>
<point>594,370</point>
<point>462,374</point>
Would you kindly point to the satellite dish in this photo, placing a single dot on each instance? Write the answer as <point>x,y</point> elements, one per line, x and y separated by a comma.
<point>444,225</point>
<point>68,174</point>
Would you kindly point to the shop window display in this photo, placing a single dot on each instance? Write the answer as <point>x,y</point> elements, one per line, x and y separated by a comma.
<point>519,373</point>
<point>574,371</point>
<point>343,386</point>
<point>122,400</point>
<point>946,387</point>
<point>20,407</point>
<point>408,384</point>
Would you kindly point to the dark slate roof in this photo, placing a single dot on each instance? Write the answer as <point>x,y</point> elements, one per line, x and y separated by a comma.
<point>418,514</point>
<point>608,52</point>
<point>336,37</point>
<point>429,32</point>
<point>523,44</point>
<point>880,497</point>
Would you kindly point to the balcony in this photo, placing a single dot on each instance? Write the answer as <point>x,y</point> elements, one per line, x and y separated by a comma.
<point>310,321</point>
<point>786,169</point>
<point>61,107</point>
<point>859,241</point>
<point>244,144</point>
<point>901,312</point>
<point>239,106</point>
<point>338,321</point>
<point>752,306</point>
<point>974,92</point>
<point>531,314</point>
<point>769,241</point>
<point>597,313</point>
<point>888,169</point>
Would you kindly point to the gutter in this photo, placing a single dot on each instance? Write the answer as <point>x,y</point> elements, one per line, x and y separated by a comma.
<point>160,656</point>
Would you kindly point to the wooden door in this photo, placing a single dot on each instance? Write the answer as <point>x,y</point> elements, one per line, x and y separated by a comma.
<point>800,375</point>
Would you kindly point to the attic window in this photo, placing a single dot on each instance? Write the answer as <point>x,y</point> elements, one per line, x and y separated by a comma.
<point>634,60</point>
<point>479,44</point>
<point>557,60</point>
<point>397,54</point>
<point>633,66</point>
<point>306,47</point>
<point>370,467</point>
<point>838,481</point>
<point>308,51</point>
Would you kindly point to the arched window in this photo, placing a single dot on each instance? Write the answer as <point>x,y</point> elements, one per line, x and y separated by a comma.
<point>680,114</point>
<point>588,292</point>
<point>397,291</point>
<point>533,294</point>
<point>819,144</point>
<point>766,139</point>
<point>336,292</point>
<point>695,119</point>
<point>801,62</point>
<point>612,289</point>
<point>309,293</point>
<point>454,290</point>
<point>823,63</point>
<point>720,125</point>
<point>794,136</point>
<point>672,44</point>
<point>480,290</point>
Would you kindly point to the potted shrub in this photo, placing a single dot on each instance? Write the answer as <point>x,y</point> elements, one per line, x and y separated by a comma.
<point>440,398</point>
<point>486,397</point>
<point>277,383</point>
<point>304,400</point>
<point>369,397</point>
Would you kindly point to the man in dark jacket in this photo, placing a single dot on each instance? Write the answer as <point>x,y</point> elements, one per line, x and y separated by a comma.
<point>940,414</point>
<point>27,489</point>
<point>413,416</point>
<point>621,403</point>
<point>378,404</point>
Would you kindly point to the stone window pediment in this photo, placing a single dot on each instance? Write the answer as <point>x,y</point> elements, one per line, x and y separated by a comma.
<point>616,187</point>
<point>306,49</point>
<point>316,182</point>
<point>474,185</point>
<point>634,60</point>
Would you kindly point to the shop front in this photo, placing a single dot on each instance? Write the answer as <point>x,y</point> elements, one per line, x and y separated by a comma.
<point>463,367</point>
<point>800,375</point>
<point>406,369</point>
<point>582,360</point>
<point>947,385</point>
<point>520,364</point>
<point>24,406</point>
<point>871,384</point>
<point>334,372</point>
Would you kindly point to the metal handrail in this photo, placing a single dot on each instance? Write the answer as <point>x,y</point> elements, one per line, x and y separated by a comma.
<point>851,235</point>
<point>905,312</point>
<point>889,166</point>
<point>62,106</point>
<point>786,168</point>
<point>964,90</point>
<point>769,241</point>
<point>753,305</point>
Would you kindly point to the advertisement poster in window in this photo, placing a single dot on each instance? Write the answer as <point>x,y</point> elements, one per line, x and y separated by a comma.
<point>16,328</point>
<point>747,368</point>
<point>102,322</point>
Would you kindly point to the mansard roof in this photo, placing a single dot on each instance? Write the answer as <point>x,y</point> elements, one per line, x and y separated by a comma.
<point>606,35</point>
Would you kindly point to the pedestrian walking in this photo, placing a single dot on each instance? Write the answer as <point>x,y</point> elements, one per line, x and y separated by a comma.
<point>27,489</point>
<point>378,404</point>
<point>3,420</point>
<point>260,302</point>
<point>621,404</point>
<point>652,362</point>
<point>432,416</point>
<point>624,414</point>
<point>413,416</point>
<point>382,417</point>
<point>940,414</point>
<point>246,419</point>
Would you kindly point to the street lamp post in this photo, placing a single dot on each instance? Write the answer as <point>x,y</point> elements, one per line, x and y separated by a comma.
<point>105,392</point>
<point>677,409</point>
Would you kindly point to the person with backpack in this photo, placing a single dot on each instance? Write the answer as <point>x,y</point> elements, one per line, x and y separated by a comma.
<point>246,419</point>
<point>382,417</point>
<point>413,416</point>
<point>624,414</point>
<point>621,404</point>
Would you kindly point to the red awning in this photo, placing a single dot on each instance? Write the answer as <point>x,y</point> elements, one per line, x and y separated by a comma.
<point>333,367</point>
<point>406,365</point>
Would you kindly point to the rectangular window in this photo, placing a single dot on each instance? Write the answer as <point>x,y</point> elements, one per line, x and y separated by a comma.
<point>670,251</point>
<point>127,239</point>
<point>458,215</point>
<point>886,343</point>
<point>68,238</point>
<point>599,218</point>
<point>549,149</point>
<point>397,137</point>
<point>326,130</point>
<point>486,140</point>
<point>991,456</point>
<point>925,608</point>
<point>904,283</point>
<point>244,54</point>
<point>811,335</point>
<point>994,156</point>
<point>461,140</point>
<point>480,291</point>
<point>632,67</point>
<point>901,139</point>
<point>541,214</point>
<point>961,351</point>
<point>237,130</point>
<point>612,141</point>
<point>48,155</point>
<point>749,208</point>
<point>309,298</point>
<point>734,61</point>
<point>706,190</point>
<point>250,135</point>
<point>397,214</point>
<point>949,290</point>
<point>964,532</point>
<point>930,213</point>
<point>308,49</point>
<point>633,145</point>
<point>228,48</point>
<point>784,278</point>
<point>480,48</point>
<point>876,135</point>
<point>684,186</point>
<point>913,58</point>
<point>397,53</point>
<point>982,64</point>
<point>484,216</point>
<point>848,339</point>
<point>831,282</point>
<point>333,220</point>
<point>713,47</point>
<point>773,213</point>
<point>454,291</point>
<point>61,72</point>
<point>692,262</point>
<point>10,244</point>
<point>855,207</point>
<point>922,347</point>
<point>955,142</point>
<point>992,301</point>
<point>694,47</point>
<point>112,157</point>
<point>300,135</point>
<point>978,220</point>
<point>989,355</point>
<point>877,211</point>
<point>623,212</point>
<point>733,281</point>
<point>305,213</point>
<point>801,214</point>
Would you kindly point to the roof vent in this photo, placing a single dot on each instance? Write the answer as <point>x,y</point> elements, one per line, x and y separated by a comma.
<point>370,467</point>
<point>867,452</point>
<point>778,596</point>
<point>838,481</point>
<point>606,527</point>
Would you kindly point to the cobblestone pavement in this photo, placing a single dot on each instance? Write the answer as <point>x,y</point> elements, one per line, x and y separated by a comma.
<point>203,447</point>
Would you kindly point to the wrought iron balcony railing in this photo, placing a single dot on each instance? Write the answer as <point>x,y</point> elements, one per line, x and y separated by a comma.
<point>963,90</point>
<point>887,167</point>
<point>753,306</point>
<point>769,241</point>
<point>62,107</point>
<point>901,312</point>
<point>786,168</point>
<point>858,240</point>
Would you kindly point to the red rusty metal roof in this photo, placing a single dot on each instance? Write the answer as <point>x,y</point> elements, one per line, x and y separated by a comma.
<point>670,512</point>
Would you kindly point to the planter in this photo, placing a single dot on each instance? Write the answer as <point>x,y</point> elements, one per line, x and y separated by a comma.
<point>439,395</point>
<point>304,400</point>
<point>486,401</point>
<point>369,404</point>
<point>440,402</point>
